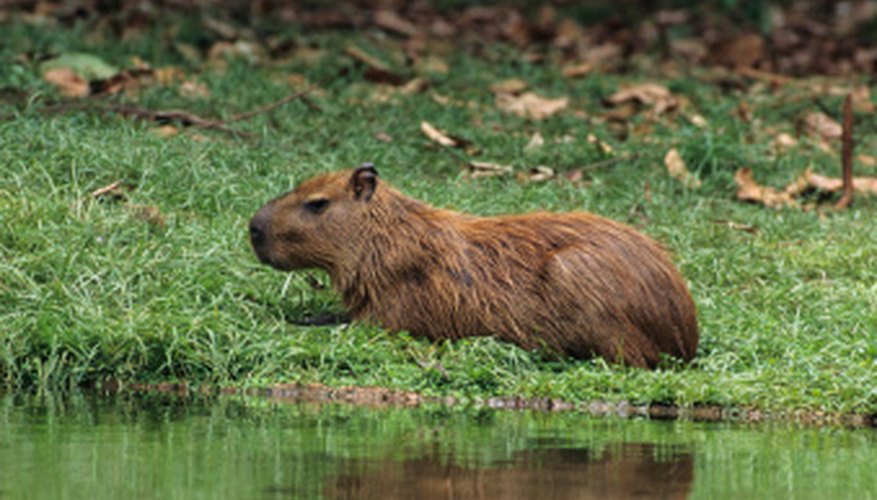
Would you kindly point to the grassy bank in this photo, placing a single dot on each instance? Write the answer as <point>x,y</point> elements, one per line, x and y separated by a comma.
<point>158,282</point>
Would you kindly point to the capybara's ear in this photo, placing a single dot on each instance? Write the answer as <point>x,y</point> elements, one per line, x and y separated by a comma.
<point>364,181</point>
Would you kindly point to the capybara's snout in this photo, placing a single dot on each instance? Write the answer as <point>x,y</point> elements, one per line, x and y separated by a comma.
<point>259,233</point>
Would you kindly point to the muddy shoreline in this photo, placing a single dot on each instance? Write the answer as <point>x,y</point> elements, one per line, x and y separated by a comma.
<point>378,397</point>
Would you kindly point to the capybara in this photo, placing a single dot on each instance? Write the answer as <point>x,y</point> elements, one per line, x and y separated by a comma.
<point>574,283</point>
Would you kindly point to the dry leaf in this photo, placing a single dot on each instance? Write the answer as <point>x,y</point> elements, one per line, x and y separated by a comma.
<point>866,160</point>
<point>650,94</point>
<point>414,86</point>
<point>510,86</point>
<point>537,141</point>
<point>578,70</point>
<point>431,64</point>
<point>604,147</point>
<point>478,169</point>
<point>536,174</point>
<point>751,191</point>
<point>391,21</point>
<point>862,100</point>
<point>115,190</point>
<point>818,124</point>
<point>165,131</point>
<point>530,105</point>
<point>677,169</point>
<point>437,135</point>
<point>864,185</point>
<point>742,51</point>
<point>68,82</point>
<point>194,90</point>
<point>168,75</point>
<point>384,137</point>
<point>783,142</point>
<point>442,137</point>
<point>377,71</point>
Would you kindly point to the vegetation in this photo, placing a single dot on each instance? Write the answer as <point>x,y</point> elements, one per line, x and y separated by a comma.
<point>154,279</point>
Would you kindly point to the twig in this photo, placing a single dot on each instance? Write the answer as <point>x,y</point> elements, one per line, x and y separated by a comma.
<point>185,118</point>
<point>271,106</point>
<point>847,155</point>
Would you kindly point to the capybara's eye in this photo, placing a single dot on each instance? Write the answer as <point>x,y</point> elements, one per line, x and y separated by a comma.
<point>316,206</point>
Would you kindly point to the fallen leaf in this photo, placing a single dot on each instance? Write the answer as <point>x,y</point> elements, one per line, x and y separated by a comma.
<point>536,142</point>
<point>866,160</point>
<point>384,137</point>
<point>510,86</point>
<point>864,185</point>
<point>168,75</point>
<point>442,137</point>
<point>194,90</point>
<point>738,226</point>
<point>391,21</point>
<point>478,169</point>
<point>68,82</point>
<point>147,213</point>
<point>165,131</point>
<point>377,70</point>
<point>650,94</point>
<point>862,99</point>
<point>222,51</point>
<point>414,86</point>
<point>437,135</point>
<point>575,175</point>
<point>677,169</point>
<point>751,191</point>
<point>602,145</point>
<point>431,64</point>
<point>741,51</point>
<point>818,124</point>
<point>578,70</point>
<point>744,112</point>
<point>531,105</point>
<point>783,142</point>
<point>115,190</point>
<point>536,174</point>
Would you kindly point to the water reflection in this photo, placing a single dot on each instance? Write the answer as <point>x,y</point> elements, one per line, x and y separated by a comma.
<point>250,448</point>
<point>625,470</point>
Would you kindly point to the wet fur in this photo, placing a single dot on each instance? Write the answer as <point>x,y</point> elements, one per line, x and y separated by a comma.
<point>576,283</point>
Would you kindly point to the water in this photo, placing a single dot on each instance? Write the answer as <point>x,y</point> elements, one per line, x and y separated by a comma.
<point>163,447</point>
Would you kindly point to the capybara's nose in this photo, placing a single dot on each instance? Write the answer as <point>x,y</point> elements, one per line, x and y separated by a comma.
<point>257,228</point>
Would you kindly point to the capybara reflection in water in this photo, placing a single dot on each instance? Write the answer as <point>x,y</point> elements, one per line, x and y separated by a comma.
<point>575,283</point>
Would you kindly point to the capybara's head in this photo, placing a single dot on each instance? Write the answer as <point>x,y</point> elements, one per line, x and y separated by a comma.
<point>315,224</point>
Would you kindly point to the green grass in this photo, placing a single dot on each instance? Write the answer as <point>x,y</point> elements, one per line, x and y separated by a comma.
<point>90,290</point>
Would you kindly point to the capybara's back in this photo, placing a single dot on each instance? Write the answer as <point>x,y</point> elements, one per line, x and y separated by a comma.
<point>571,282</point>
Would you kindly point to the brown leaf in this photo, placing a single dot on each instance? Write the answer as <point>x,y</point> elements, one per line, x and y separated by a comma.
<point>864,185</point>
<point>510,86</point>
<point>377,71</point>
<point>194,90</point>
<point>442,137</point>
<point>867,160</point>
<point>531,105</point>
<point>783,142</point>
<point>536,174</point>
<point>578,70</point>
<point>818,124</point>
<point>165,131</point>
<point>437,135</point>
<point>478,169</point>
<point>68,82</point>
<point>677,169</point>
<point>391,21</point>
<point>751,191</point>
<point>741,51</point>
<point>384,137</point>
<point>650,94</point>
<point>536,142</point>
<point>862,100</point>
<point>431,64</point>
<point>604,147</point>
<point>414,86</point>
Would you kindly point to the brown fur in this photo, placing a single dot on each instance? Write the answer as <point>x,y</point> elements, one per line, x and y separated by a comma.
<point>574,282</point>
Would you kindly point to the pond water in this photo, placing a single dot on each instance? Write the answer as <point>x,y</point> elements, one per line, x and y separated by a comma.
<point>163,447</point>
